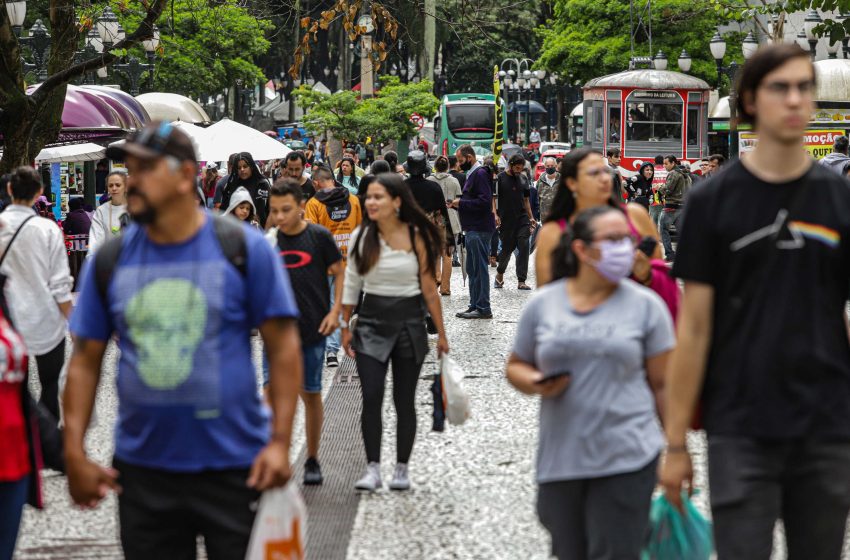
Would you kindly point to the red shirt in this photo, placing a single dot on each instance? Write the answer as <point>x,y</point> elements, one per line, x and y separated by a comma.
<point>14,459</point>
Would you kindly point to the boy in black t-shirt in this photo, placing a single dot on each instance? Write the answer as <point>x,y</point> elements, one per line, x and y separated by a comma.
<point>765,255</point>
<point>310,255</point>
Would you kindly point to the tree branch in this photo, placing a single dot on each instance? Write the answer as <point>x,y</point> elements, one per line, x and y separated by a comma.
<point>143,31</point>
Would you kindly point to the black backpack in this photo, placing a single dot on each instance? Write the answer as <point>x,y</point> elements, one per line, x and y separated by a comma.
<point>228,231</point>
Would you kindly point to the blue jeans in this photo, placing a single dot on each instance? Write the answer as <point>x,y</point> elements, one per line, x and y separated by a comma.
<point>333,340</point>
<point>655,214</point>
<point>313,358</point>
<point>668,218</point>
<point>13,496</point>
<point>478,269</point>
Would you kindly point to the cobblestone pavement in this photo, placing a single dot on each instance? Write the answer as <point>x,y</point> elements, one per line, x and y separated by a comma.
<point>473,495</point>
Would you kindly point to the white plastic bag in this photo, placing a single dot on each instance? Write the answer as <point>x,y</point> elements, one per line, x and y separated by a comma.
<point>280,528</point>
<point>455,397</point>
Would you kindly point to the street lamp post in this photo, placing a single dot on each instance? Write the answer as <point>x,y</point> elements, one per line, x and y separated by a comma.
<point>718,51</point>
<point>519,77</point>
<point>17,12</point>
<point>812,20</point>
<point>38,43</point>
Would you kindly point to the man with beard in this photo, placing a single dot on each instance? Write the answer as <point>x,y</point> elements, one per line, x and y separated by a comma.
<point>194,446</point>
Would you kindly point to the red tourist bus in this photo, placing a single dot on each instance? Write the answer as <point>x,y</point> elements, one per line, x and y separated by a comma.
<point>647,113</point>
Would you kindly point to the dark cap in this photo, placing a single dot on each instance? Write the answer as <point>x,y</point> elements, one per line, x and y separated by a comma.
<point>157,139</point>
<point>516,159</point>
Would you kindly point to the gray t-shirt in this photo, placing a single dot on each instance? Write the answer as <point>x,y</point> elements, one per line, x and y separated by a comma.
<point>605,422</point>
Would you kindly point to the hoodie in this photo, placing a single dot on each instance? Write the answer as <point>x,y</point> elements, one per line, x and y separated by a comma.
<point>257,185</point>
<point>674,189</point>
<point>337,210</point>
<point>836,161</point>
<point>239,196</point>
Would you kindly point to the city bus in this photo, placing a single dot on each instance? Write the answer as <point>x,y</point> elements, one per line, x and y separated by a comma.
<point>467,118</point>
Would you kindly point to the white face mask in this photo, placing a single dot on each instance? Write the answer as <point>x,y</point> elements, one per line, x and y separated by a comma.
<point>616,260</point>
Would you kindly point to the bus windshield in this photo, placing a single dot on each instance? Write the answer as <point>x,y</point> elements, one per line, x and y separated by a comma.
<point>471,118</point>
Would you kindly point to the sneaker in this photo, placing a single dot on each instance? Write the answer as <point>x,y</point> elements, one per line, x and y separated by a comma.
<point>371,480</point>
<point>331,360</point>
<point>401,480</point>
<point>312,472</point>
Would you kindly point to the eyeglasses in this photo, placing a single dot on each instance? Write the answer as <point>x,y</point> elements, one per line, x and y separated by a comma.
<point>616,238</point>
<point>782,89</point>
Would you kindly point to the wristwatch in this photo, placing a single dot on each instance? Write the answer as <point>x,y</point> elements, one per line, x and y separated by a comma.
<point>343,324</point>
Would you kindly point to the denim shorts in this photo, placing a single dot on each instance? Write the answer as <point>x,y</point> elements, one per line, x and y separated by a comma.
<point>314,362</point>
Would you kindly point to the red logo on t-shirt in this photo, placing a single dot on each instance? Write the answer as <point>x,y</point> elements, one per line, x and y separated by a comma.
<point>296,259</point>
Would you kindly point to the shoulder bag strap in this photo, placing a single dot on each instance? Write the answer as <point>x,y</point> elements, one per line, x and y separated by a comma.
<point>9,246</point>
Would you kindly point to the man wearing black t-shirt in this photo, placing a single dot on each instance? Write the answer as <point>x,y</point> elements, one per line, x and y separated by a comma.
<point>765,255</point>
<point>309,254</point>
<point>516,219</point>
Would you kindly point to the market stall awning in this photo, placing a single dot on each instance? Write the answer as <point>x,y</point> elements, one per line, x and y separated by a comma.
<point>173,107</point>
<point>131,111</point>
<point>71,153</point>
<point>228,137</point>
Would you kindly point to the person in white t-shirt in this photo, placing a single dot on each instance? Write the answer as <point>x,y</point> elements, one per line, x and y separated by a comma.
<point>110,217</point>
<point>38,281</point>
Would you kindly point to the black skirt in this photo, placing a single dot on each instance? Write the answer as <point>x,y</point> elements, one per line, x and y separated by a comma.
<point>383,319</point>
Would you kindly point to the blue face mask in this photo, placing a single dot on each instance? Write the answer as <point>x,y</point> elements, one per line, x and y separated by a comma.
<point>616,260</point>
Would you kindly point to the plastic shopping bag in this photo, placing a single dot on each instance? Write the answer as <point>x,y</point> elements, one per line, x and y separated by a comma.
<point>675,536</point>
<point>455,398</point>
<point>280,527</point>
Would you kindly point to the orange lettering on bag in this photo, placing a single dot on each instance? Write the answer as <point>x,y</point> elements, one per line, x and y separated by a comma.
<point>288,549</point>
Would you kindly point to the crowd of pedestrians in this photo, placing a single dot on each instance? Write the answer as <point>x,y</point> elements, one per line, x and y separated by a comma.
<point>754,348</point>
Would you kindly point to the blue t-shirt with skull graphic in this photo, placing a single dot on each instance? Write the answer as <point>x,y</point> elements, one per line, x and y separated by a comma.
<point>187,389</point>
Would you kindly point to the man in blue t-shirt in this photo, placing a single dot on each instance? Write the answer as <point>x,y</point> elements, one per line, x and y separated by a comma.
<point>194,445</point>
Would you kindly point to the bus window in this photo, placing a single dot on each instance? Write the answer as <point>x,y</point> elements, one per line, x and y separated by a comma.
<point>470,118</point>
<point>653,127</point>
<point>614,124</point>
<point>693,131</point>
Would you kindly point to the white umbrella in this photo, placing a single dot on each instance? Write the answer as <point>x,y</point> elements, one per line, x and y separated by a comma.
<point>71,153</point>
<point>172,107</point>
<point>201,138</point>
<point>229,137</point>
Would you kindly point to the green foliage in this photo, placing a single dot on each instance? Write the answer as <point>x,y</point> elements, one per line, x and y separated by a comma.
<point>748,10</point>
<point>479,34</point>
<point>208,46</point>
<point>590,38</point>
<point>381,118</point>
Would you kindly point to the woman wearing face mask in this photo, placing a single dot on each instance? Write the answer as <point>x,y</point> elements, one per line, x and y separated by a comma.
<point>639,186</point>
<point>248,175</point>
<point>111,216</point>
<point>586,182</point>
<point>594,346</point>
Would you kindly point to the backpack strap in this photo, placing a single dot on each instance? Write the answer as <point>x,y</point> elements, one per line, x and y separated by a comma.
<point>105,261</point>
<point>231,238</point>
<point>228,232</point>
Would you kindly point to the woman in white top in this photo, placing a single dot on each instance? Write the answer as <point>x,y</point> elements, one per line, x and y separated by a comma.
<point>392,262</point>
<point>110,217</point>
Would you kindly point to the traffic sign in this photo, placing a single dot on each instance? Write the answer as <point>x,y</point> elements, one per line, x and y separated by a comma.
<point>418,120</point>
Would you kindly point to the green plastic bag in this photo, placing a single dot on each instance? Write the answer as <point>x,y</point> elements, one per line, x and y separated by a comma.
<point>677,537</point>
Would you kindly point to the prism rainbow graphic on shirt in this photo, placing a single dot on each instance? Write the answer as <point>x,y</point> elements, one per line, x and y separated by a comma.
<point>816,232</point>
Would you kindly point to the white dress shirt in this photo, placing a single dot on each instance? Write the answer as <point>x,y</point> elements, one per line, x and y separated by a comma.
<point>38,278</point>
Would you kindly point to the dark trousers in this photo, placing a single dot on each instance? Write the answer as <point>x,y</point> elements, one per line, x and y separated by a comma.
<point>604,518</point>
<point>373,374</point>
<point>515,236</point>
<point>163,512</point>
<point>753,483</point>
<point>13,496</point>
<point>477,267</point>
<point>49,368</point>
<point>494,244</point>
